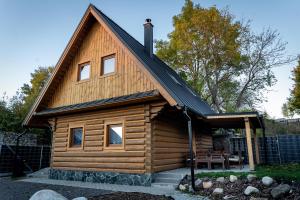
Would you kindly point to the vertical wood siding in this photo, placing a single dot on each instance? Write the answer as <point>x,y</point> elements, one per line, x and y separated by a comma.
<point>127,79</point>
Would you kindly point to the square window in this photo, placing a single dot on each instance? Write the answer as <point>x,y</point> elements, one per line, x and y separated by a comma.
<point>76,137</point>
<point>115,134</point>
<point>84,72</point>
<point>108,65</point>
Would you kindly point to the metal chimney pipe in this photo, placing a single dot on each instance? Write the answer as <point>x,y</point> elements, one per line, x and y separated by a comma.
<point>148,37</point>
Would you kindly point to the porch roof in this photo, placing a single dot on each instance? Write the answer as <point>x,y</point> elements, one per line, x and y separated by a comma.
<point>234,120</point>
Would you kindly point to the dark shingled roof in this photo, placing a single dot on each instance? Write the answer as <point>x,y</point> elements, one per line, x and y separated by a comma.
<point>167,77</point>
<point>98,103</point>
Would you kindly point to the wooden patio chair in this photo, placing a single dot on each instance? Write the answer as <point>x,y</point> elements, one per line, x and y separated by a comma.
<point>203,157</point>
<point>217,158</point>
<point>237,159</point>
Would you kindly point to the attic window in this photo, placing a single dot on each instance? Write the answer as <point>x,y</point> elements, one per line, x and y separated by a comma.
<point>108,65</point>
<point>84,71</point>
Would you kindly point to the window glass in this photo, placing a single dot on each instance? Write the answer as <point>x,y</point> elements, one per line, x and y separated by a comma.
<point>108,65</point>
<point>84,72</point>
<point>115,134</point>
<point>76,136</point>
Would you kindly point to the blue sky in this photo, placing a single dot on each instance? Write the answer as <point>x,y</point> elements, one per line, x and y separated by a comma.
<point>34,33</point>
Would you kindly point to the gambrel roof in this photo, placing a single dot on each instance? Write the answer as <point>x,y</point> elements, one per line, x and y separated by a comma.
<point>172,87</point>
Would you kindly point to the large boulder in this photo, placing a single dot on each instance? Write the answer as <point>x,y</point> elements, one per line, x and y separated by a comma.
<point>47,195</point>
<point>280,190</point>
<point>250,190</point>
<point>251,177</point>
<point>233,178</point>
<point>207,184</point>
<point>220,179</point>
<point>267,181</point>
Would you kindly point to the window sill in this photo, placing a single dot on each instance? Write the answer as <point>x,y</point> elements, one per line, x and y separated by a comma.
<point>107,75</point>
<point>117,148</point>
<point>75,148</point>
<point>82,81</point>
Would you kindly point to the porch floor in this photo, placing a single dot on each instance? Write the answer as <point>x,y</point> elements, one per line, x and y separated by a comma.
<point>171,178</point>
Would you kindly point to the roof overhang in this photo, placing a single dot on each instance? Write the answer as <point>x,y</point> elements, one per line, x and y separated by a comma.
<point>233,120</point>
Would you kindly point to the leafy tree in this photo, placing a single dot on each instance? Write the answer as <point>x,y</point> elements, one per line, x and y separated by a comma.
<point>13,112</point>
<point>6,116</point>
<point>30,92</point>
<point>226,63</point>
<point>286,110</point>
<point>293,102</point>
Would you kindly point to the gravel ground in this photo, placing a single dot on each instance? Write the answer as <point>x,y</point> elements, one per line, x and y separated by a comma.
<point>17,190</point>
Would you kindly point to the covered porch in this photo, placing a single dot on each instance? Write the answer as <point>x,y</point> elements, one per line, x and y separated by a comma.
<point>203,141</point>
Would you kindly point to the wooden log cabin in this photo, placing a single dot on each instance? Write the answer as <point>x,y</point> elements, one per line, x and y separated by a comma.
<point>117,112</point>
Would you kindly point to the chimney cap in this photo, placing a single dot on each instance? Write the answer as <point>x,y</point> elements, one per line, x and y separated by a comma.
<point>148,21</point>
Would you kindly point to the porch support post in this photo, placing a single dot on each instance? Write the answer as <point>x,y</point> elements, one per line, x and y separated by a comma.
<point>249,143</point>
<point>256,146</point>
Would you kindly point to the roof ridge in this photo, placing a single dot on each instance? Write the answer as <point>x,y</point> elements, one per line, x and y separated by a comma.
<point>108,18</point>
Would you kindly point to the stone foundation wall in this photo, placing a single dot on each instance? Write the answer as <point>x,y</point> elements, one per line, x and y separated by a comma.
<point>101,177</point>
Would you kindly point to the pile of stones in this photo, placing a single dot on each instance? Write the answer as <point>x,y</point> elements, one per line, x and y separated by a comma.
<point>234,187</point>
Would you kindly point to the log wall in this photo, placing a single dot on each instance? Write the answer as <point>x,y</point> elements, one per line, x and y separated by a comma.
<point>93,156</point>
<point>204,141</point>
<point>169,144</point>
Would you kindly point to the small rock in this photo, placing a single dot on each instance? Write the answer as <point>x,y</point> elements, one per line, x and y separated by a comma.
<point>191,189</point>
<point>218,191</point>
<point>207,184</point>
<point>182,187</point>
<point>267,181</point>
<point>228,197</point>
<point>220,179</point>
<point>188,178</point>
<point>198,182</point>
<point>47,195</point>
<point>266,190</point>
<point>251,177</point>
<point>80,198</point>
<point>233,178</point>
<point>205,179</point>
<point>249,190</point>
<point>280,190</point>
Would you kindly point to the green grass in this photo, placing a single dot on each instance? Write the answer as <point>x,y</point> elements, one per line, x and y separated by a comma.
<point>221,174</point>
<point>288,172</point>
